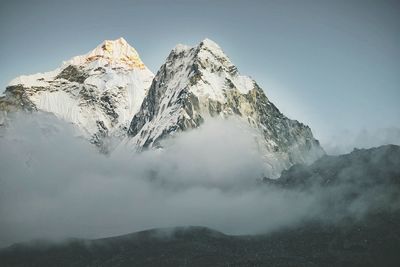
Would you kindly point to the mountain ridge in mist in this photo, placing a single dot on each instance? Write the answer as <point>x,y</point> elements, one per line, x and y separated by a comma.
<point>114,100</point>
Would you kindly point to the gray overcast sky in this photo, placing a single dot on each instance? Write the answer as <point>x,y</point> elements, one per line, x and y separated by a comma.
<point>333,65</point>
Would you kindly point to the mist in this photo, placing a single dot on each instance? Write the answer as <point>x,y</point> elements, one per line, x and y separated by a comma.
<point>55,185</point>
<point>345,141</point>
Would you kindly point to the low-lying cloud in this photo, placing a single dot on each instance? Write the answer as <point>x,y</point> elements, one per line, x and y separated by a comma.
<point>55,185</point>
<point>345,141</point>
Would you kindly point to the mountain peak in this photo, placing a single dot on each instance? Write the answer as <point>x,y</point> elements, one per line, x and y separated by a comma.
<point>212,47</point>
<point>209,51</point>
<point>99,91</point>
<point>200,82</point>
<point>117,53</point>
<point>206,45</point>
<point>207,70</point>
<point>210,44</point>
<point>109,45</point>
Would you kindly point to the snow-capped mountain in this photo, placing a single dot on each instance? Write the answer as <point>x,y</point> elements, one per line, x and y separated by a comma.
<point>109,92</point>
<point>197,83</point>
<point>99,91</point>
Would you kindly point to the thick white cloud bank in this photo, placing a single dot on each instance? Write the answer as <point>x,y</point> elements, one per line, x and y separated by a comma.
<point>54,185</point>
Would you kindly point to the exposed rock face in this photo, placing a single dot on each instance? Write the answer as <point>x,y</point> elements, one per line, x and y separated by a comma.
<point>16,98</point>
<point>73,74</point>
<point>99,92</point>
<point>200,82</point>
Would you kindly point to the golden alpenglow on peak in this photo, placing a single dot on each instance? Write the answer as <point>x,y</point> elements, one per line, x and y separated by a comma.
<point>116,53</point>
<point>109,44</point>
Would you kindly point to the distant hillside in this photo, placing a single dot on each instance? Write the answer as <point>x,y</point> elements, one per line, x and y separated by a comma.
<point>373,242</point>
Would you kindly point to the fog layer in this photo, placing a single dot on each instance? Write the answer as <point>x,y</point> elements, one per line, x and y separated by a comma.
<point>55,185</point>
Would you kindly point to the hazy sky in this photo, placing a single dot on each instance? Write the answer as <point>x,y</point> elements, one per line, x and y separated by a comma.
<point>334,65</point>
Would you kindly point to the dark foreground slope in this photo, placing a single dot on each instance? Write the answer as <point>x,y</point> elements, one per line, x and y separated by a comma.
<point>366,179</point>
<point>374,242</point>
